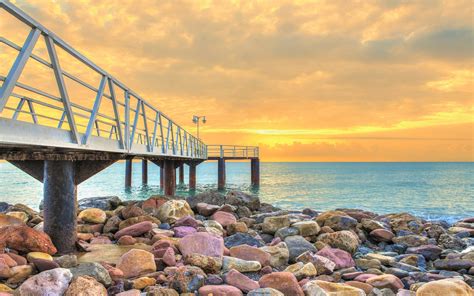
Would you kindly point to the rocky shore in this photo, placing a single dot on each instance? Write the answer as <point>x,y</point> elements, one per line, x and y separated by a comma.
<point>215,244</point>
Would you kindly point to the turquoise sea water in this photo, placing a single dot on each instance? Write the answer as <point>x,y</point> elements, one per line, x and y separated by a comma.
<point>431,190</point>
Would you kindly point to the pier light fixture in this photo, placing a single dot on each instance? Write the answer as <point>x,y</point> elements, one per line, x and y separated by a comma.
<point>196,120</point>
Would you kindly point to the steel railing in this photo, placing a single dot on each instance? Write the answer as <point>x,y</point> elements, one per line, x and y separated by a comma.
<point>232,151</point>
<point>131,125</point>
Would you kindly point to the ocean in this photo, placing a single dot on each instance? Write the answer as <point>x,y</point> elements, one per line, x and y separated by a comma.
<point>430,190</point>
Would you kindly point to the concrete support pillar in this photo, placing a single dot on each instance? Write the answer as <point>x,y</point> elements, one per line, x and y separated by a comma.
<point>221,173</point>
<point>128,173</point>
<point>162,177</point>
<point>255,171</point>
<point>144,172</point>
<point>60,197</point>
<point>192,176</point>
<point>181,174</point>
<point>169,177</point>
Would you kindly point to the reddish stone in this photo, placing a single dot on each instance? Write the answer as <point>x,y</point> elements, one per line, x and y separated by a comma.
<point>382,235</point>
<point>364,277</point>
<point>363,286</point>
<point>219,290</point>
<point>43,264</point>
<point>249,253</point>
<point>187,221</point>
<point>386,281</point>
<point>206,209</point>
<point>284,282</point>
<point>244,283</point>
<point>135,230</point>
<point>154,202</point>
<point>169,257</point>
<point>224,218</point>
<point>351,275</point>
<point>20,260</point>
<point>5,271</point>
<point>127,240</point>
<point>131,211</point>
<point>182,231</point>
<point>342,258</point>
<point>25,239</point>
<point>8,260</point>
<point>202,243</point>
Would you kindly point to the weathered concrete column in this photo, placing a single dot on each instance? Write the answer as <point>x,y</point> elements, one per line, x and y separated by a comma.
<point>169,177</point>
<point>144,172</point>
<point>181,174</point>
<point>221,173</point>
<point>192,176</point>
<point>255,171</point>
<point>162,177</point>
<point>60,197</point>
<point>128,173</point>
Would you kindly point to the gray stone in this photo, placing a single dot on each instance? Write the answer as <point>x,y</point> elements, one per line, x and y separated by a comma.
<point>94,270</point>
<point>297,245</point>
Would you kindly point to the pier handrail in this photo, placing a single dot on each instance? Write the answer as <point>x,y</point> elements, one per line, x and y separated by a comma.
<point>232,151</point>
<point>133,126</point>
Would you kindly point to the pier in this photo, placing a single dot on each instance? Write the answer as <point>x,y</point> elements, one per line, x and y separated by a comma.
<point>62,140</point>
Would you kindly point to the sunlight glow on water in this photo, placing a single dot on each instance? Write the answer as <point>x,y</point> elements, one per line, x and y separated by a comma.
<point>431,190</point>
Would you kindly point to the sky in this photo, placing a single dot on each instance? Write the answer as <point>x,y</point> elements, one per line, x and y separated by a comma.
<point>304,80</point>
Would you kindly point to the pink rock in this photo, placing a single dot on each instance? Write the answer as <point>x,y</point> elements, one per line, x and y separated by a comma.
<point>342,258</point>
<point>386,281</point>
<point>249,253</point>
<point>182,231</point>
<point>127,240</point>
<point>382,235</point>
<point>20,260</point>
<point>206,209</point>
<point>8,260</point>
<point>133,292</point>
<point>202,243</point>
<point>219,290</point>
<point>244,283</point>
<point>351,275</point>
<point>169,257</point>
<point>284,282</point>
<point>364,277</point>
<point>100,240</point>
<point>135,229</point>
<point>224,218</point>
<point>187,221</point>
<point>5,271</point>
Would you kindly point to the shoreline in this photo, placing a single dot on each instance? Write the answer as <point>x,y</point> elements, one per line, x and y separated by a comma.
<point>234,244</point>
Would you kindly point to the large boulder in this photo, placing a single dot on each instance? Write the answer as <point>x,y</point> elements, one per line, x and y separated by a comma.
<point>211,197</point>
<point>136,262</point>
<point>52,282</point>
<point>272,224</point>
<point>105,203</point>
<point>202,243</point>
<point>173,210</point>
<point>93,215</point>
<point>7,220</point>
<point>238,198</point>
<point>344,240</point>
<point>445,287</point>
<point>25,239</point>
<point>341,258</point>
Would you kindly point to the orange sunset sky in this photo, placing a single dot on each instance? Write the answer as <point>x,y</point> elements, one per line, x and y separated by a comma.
<point>304,80</point>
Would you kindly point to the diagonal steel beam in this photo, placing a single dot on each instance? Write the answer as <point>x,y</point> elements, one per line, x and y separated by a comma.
<point>116,113</point>
<point>62,88</point>
<point>95,110</point>
<point>18,67</point>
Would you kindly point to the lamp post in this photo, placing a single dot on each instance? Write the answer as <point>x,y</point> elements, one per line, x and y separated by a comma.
<point>196,120</point>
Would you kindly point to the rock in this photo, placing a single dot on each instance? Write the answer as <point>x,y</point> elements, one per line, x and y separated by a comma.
<point>445,287</point>
<point>153,203</point>
<point>182,231</point>
<point>284,232</point>
<point>135,230</point>
<point>238,198</point>
<point>51,282</point>
<point>265,292</point>
<point>143,282</point>
<point>185,279</point>
<point>224,218</point>
<point>430,252</point>
<point>85,286</point>
<point>202,243</point>
<point>94,270</point>
<point>272,224</point>
<point>411,240</point>
<point>341,258</point>
<point>206,209</point>
<point>126,240</point>
<point>323,288</point>
<point>382,235</point>
<point>132,292</point>
<point>93,215</point>
<point>242,239</point>
<point>187,221</point>
<point>279,254</point>
<point>237,227</point>
<point>340,222</point>
<point>136,262</point>
<point>19,274</point>
<point>112,224</point>
<point>301,270</point>
<point>66,261</point>
<point>5,271</point>
<point>19,215</point>
<point>7,260</point>
<point>132,210</point>
<point>212,197</point>
<point>42,264</point>
<point>4,288</point>
<point>365,264</point>
<point>363,286</point>
<point>244,283</point>
<point>284,282</point>
<point>219,290</point>
<point>307,228</point>
<point>447,241</point>
<point>385,260</point>
<point>105,203</point>
<point>322,264</point>
<point>240,265</point>
<point>250,253</point>
<point>206,263</point>
<point>20,260</point>
<point>297,245</point>
<point>453,264</point>
<point>25,239</point>
<point>8,220</point>
<point>136,220</point>
<point>344,240</point>
<point>386,281</point>
<point>169,257</point>
<point>89,228</point>
<point>38,255</point>
<point>173,210</point>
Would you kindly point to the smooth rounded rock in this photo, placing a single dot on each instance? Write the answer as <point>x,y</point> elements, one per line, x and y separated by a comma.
<point>25,239</point>
<point>173,210</point>
<point>85,286</point>
<point>250,253</point>
<point>51,282</point>
<point>136,262</point>
<point>237,279</point>
<point>445,287</point>
<point>135,230</point>
<point>93,215</point>
<point>386,281</point>
<point>202,243</point>
<point>284,282</point>
<point>219,290</point>
<point>323,288</point>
